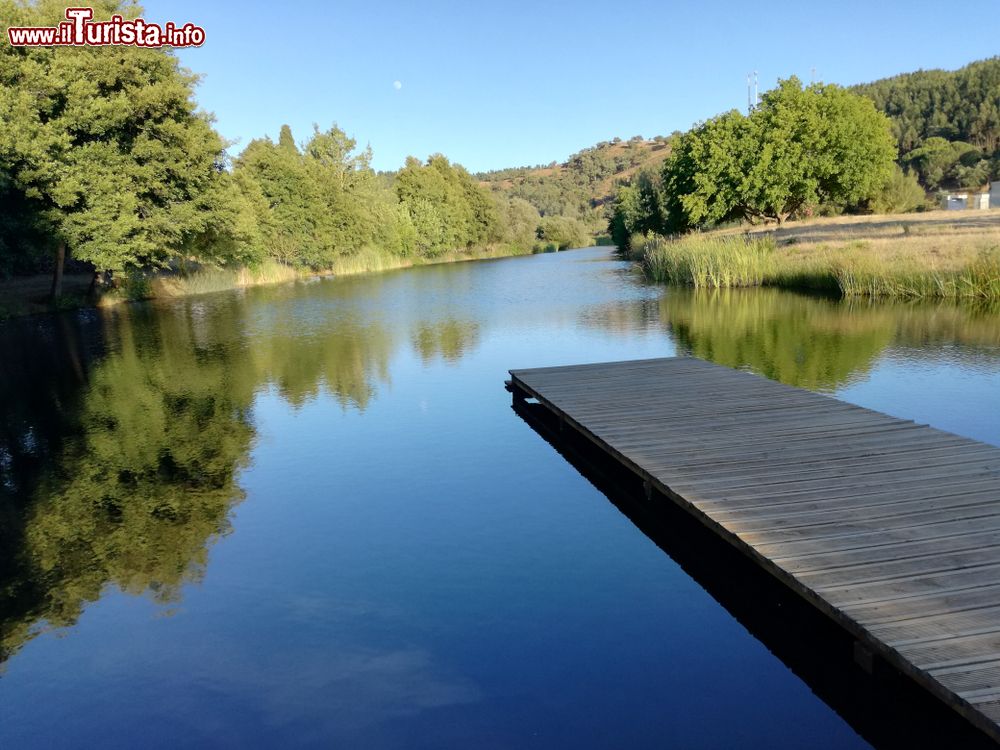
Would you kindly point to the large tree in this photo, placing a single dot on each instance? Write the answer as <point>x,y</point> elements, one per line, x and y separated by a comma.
<point>448,208</point>
<point>801,147</point>
<point>108,145</point>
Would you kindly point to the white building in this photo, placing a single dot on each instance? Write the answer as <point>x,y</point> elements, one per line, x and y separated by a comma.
<point>974,201</point>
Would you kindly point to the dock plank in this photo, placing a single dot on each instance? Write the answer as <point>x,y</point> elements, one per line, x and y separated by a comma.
<point>889,527</point>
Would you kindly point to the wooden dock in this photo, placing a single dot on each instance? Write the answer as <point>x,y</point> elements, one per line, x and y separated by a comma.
<point>889,527</point>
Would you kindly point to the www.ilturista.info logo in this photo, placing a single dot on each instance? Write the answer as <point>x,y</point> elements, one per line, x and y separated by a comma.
<point>79,30</point>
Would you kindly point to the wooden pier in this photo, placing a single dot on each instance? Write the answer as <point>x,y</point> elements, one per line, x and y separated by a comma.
<point>889,527</point>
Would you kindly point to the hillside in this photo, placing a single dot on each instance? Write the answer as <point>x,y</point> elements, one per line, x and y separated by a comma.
<point>946,123</point>
<point>959,105</point>
<point>580,186</point>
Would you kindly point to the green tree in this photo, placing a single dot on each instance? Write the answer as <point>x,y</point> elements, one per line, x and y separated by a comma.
<point>286,142</point>
<point>108,143</point>
<point>900,194</point>
<point>286,199</point>
<point>960,105</point>
<point>938,160</point>
<point>637,209</point>
<point>801,147</point>
<point>448,209</point>
<point>564,232</point>
<point>519,222</point>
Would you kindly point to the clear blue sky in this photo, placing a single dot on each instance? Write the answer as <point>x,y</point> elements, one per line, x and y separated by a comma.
<point>495,84</point>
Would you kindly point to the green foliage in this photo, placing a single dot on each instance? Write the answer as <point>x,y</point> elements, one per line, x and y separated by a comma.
<point>802,147</point>
<point>961,105</point>
<point>448,209</point>
<point>946,123</point>
<point>939,161</point>
<point>519,222</point>
<point>25,243</point>
<point>901,193</point>
<point>581,186</point>
<point>106,144</point>
<point>564,232</point>
<point>102,149</point>
<point>319,204</point>
<point>637,209</point>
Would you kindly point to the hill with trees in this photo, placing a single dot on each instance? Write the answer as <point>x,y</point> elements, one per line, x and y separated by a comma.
<point>580,187</point>
<point>946,123</point>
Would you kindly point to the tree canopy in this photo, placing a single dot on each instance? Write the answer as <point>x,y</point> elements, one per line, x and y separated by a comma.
<point>106,146</point>
<point>803,146</point>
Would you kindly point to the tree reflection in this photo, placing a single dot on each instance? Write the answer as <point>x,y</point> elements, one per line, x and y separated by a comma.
<point>814,342</point>
<point>449,339</point>
<point>125,482</point>
<point>804,341</point>
<point>121,439</point>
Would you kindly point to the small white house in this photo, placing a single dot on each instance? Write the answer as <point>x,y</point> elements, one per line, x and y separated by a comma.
<point>974,201</point>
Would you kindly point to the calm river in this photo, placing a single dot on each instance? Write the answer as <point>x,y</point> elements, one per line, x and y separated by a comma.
<point>307,516</point>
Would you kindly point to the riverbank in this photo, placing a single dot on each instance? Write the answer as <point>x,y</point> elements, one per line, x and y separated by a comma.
<point>30,295</point>
<point>932,255</point>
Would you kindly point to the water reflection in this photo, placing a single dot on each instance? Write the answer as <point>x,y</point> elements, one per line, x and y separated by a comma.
<point>125,477</point>
<point>804,341</point>
<point>807,341</point>
<point>884,706</point>
<point>448,339</point>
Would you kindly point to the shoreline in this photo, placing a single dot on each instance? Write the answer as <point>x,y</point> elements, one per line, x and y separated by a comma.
<point>26,296</point>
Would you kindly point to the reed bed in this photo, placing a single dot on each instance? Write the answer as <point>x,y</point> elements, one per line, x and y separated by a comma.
<point>207,280</point>
<point>709,262</point>
<point>901,268</point>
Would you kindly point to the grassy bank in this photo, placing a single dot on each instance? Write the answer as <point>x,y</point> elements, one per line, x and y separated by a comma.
<point>29,295</point>
<point>206,280</point>
<point>936,257</point>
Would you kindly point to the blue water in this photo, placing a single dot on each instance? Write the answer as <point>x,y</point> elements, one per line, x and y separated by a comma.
<point>306,516</point>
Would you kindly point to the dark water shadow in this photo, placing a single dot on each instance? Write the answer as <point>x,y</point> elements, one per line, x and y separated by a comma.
<point>884,706</point>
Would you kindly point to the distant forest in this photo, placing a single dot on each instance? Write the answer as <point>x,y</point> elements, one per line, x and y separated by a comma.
<point>946,123</point>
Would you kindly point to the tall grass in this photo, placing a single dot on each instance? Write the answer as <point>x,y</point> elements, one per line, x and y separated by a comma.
<point>206,280</point>
<point>709,262</point>
<point>857,269</point>
<point>868,277</point>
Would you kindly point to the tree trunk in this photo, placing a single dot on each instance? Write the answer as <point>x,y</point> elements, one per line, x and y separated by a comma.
<point>57,273</point>
<point>92,289</point>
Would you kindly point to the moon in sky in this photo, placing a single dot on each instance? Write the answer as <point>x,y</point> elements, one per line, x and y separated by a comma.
<point>397,85</point>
